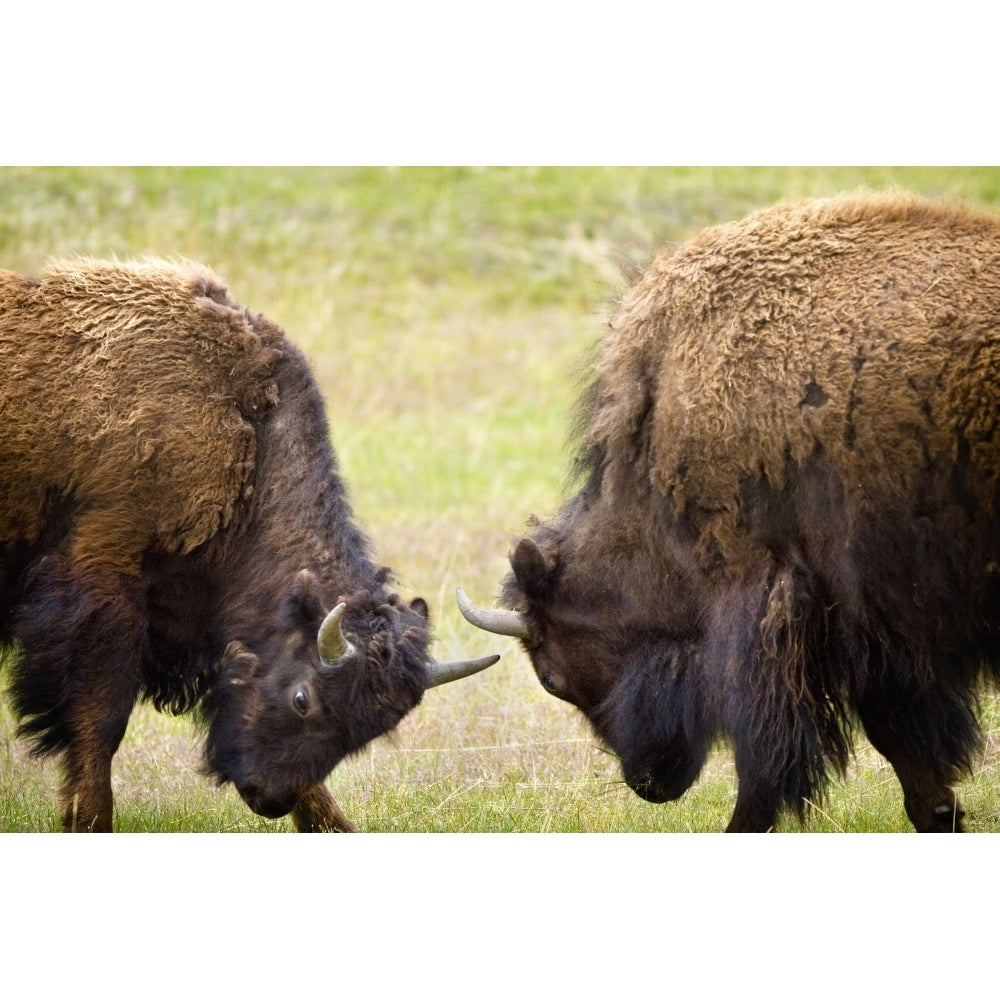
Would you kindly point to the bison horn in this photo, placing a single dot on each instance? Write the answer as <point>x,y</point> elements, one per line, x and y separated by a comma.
<point>333,646</point>
<point>493,620</point>
<point>442,673</point>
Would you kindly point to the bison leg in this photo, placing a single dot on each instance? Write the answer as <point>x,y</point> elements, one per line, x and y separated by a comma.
<point>78,679</point>
<point>317,812</point>
<point>99,716</point>
<point>929,800</point>
<point>784,729</point>
<point>85,796</point>
<point>757,803</point>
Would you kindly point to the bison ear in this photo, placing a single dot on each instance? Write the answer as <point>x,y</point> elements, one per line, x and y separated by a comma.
<point>304,606</point>
<point>419,605</point>
<point>532,567</point>
<point>239,665</point>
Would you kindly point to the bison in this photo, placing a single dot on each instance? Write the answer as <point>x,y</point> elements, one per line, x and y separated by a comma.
<point>785,524</point>
<point>174,528</point>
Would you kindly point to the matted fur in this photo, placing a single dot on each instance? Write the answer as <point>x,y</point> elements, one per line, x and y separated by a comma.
<point>87,356</point>
<point>853,324</point>
<point>788,517</point>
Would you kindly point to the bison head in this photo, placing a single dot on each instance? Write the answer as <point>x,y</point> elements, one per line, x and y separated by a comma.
<point>603,636</point>
<point>321,686</point>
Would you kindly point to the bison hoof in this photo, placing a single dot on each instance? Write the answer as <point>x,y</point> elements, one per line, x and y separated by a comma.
<point>948,818</point>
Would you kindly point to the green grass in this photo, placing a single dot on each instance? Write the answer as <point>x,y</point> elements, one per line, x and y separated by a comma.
<point>447,312</point>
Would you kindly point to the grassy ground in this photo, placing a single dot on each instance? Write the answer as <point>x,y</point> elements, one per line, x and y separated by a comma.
<point>447,312</point>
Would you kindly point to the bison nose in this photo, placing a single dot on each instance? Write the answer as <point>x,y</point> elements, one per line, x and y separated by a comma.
<point>649,791</point>
<point>647,787</point>
<point>265,803</point>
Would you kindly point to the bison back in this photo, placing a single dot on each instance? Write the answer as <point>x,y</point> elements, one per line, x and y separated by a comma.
<point>128,395</point>
<point>860,334</point>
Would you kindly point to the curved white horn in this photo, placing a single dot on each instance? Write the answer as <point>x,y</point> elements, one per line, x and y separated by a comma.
<point>442,673</point>
<point>494,620</point>
<point>333,646</point>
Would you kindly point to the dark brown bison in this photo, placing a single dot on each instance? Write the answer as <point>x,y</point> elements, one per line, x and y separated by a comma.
<point>173,527</point>
<point>787,519</point>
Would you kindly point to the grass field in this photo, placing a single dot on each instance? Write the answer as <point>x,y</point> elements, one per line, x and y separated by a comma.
<point>447,313</point>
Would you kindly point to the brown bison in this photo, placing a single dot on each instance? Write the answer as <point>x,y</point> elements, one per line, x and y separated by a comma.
<point>787,519</point>
<point>173,527</point>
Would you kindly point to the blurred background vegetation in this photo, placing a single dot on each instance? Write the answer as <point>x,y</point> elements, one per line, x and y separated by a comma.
<point>448,313</point>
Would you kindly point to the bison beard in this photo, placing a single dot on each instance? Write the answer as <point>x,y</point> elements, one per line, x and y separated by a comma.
<point>173,527</point>
<point>654,718</point>
<point>788,520</point>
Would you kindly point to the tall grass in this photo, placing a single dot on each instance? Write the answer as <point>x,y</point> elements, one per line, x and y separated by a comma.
<point>447,312</point>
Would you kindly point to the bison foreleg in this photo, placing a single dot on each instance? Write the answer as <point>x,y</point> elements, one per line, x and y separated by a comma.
<point>97,719</point>
<point>317,812</point>
<point>929,800</point>
<point>757,802</point>
<point>78,679</point>
<point>85,796</point>
<point>784,725</point>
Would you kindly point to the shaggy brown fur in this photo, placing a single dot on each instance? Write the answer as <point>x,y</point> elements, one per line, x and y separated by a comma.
<point>852,324</point>
<point>789,513</point>
<point>86,356</point>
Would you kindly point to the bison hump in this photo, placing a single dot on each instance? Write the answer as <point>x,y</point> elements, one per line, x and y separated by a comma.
<point>138,386</point>
<point>859,328</point>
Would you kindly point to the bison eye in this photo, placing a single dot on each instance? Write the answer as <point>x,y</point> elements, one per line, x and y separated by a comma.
<point>549,683</point>
<point>301,701</point>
